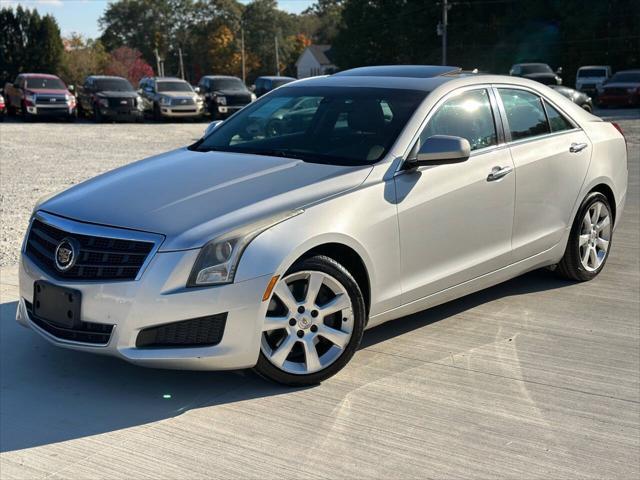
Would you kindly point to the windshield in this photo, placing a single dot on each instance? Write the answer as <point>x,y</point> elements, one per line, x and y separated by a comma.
<point>52,83</point>
<point>335,125</point>
<point>625,77</point>
<point>114,85</point>
<point>536,68</point>
<point>173,87</point>
<point>592,72</point>
<point>227,84</point>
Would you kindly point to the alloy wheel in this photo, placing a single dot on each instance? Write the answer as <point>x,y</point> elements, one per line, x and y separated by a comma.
<point>595,235</point>
<point>309,322</point>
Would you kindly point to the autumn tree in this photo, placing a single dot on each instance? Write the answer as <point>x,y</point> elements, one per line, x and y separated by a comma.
<point>81,58</point>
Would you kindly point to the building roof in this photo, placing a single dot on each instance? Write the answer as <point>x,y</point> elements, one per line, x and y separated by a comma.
<point>322,54</point>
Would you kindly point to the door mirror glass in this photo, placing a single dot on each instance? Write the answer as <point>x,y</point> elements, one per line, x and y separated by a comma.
<point>442,149</point>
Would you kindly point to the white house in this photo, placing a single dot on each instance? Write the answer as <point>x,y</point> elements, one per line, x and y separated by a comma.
<point>315,60</point>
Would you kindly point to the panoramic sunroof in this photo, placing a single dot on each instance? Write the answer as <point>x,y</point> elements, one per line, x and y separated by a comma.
<point>409,71</point>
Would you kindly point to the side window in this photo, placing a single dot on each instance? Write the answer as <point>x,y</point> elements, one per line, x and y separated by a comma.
<point>525,113</point>
<point>467,115</point>
<point>557,121</point>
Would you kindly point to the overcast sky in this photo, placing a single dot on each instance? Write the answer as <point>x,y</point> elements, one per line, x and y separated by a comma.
<point>81,16</point>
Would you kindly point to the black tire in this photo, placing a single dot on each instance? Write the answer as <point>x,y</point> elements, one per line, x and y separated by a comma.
<point>97,114</point>
<point>329,266</point>
<point>570,267</point>
<point>157,114</point>
<point>587,107</point>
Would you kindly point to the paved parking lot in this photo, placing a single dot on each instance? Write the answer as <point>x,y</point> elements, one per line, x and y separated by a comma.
<point>534,378</point>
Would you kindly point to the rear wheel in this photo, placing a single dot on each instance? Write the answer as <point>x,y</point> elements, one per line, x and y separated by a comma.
<point>589,241</point>
<point>97,114</point>
<point>314,323</point>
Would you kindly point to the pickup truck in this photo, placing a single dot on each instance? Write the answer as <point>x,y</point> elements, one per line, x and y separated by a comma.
<point>39,95</point>
<point>109,98</point>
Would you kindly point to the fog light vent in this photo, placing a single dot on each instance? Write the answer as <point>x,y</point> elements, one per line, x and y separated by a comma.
<point>197,332</point>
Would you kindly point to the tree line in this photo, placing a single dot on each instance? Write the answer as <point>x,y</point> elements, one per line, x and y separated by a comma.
<point>489,35</point>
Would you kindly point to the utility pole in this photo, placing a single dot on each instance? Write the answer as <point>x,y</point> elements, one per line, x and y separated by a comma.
<point>277,57</point>
<point>157,62</point>
<point>445,20</point>
<point>181,63</point>
<point>242,48</point>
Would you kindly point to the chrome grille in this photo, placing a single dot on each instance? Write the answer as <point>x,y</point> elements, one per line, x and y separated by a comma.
<point>238,100</point>
<point>47,99</point>
<point>99,258</point>
<point>178,102</point>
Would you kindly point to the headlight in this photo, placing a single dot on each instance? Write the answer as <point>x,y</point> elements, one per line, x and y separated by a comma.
<point>199,99</point>
<point>253,97</point>
<point>103,102</point>
<point>165,101</point>
<point>221,100</point>
<point>30,98</point>
<point>217,262</point>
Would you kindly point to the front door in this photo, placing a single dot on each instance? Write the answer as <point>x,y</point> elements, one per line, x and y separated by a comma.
<point>456,220</point>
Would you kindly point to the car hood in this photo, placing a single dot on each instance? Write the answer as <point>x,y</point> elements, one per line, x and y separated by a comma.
<point>117,94</point>
<point>622,85</point>
<point>48,91</point>
<point>179,94</point>
<point>191,197</point>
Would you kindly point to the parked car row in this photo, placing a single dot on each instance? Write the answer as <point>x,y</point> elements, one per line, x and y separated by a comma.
<point>110,98</point>
<point>592,81</point>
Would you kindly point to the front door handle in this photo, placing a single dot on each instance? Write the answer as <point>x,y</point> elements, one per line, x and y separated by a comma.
<point>498,172</point>
<point>577,147</point>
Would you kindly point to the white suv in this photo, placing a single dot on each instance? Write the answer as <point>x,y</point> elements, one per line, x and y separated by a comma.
<point>589,79</point>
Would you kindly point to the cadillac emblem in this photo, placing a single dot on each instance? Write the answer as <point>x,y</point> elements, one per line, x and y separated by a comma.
<point>66,254</point>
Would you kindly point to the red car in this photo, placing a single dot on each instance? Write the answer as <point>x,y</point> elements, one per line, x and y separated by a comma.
<point>621,90</point>
<point>39,95</point>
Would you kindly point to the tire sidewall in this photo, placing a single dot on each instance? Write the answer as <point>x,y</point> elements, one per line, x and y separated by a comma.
<point>329,266</point>
<point>573,249</point>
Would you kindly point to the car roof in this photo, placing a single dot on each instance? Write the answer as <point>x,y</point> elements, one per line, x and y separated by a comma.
<point>220,76</point>
<point>633,70</point>
<point>39,75</point>
<point>105,77</point>
<point>171,79</point>
<point>530,63</point>
<point>594,66</point>
<point>409,71</point>
<point>276,77</point>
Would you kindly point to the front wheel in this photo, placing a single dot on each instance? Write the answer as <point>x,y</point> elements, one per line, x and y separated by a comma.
<point>314,323</point>
<point>589,241</point>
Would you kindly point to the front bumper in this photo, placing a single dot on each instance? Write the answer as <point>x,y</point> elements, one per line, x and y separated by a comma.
<point>187,111</point>
<point>160,297</point>
<point>121,113</point>
<point>51,111</point>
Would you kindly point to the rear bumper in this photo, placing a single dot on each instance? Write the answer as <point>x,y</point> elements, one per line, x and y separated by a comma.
<point>630,99</point>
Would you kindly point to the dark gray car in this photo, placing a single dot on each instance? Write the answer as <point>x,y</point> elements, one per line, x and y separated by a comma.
<point>540,72</point>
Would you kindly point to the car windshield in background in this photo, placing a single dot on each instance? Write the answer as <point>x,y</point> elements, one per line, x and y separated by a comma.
<point>625,77</point>
<point>174,87</point>
<point>541,68</point>
<point>52,83</point>
<point>335,125</point>
<point>114,85</point>
<point>592,72</point>
<point>279,83</point>
<point>227,84</point>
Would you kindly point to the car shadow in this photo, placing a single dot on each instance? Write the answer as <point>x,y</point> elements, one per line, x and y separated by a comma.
<point>51,395</point>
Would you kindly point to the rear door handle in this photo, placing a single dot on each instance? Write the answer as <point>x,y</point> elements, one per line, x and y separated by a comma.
<point>577,147</point>
<point>498,172</point>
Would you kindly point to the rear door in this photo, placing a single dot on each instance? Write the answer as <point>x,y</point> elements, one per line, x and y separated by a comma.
<point>551,156</point>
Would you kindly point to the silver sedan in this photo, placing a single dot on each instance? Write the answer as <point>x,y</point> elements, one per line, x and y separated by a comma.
<point>327,207</point>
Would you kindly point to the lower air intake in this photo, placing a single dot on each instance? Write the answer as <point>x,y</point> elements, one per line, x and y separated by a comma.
<point>197,332</point>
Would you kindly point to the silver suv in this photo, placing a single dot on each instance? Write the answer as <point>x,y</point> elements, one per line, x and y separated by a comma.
<point>167,97</point>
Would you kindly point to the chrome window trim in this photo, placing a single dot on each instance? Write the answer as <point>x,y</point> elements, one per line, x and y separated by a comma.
<point>543,98</point>
<point>94,230</point>
<point>492,102</point>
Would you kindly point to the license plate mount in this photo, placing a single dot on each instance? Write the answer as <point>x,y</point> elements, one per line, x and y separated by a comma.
<point>57,305</point>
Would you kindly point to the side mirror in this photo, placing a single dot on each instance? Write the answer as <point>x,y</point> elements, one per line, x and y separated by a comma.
<point>252,88</point>
<point>197,90</point>
<point>71,88</point>
<point>559,71</point>
<point>211,127</point>
<point>440,150</point>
